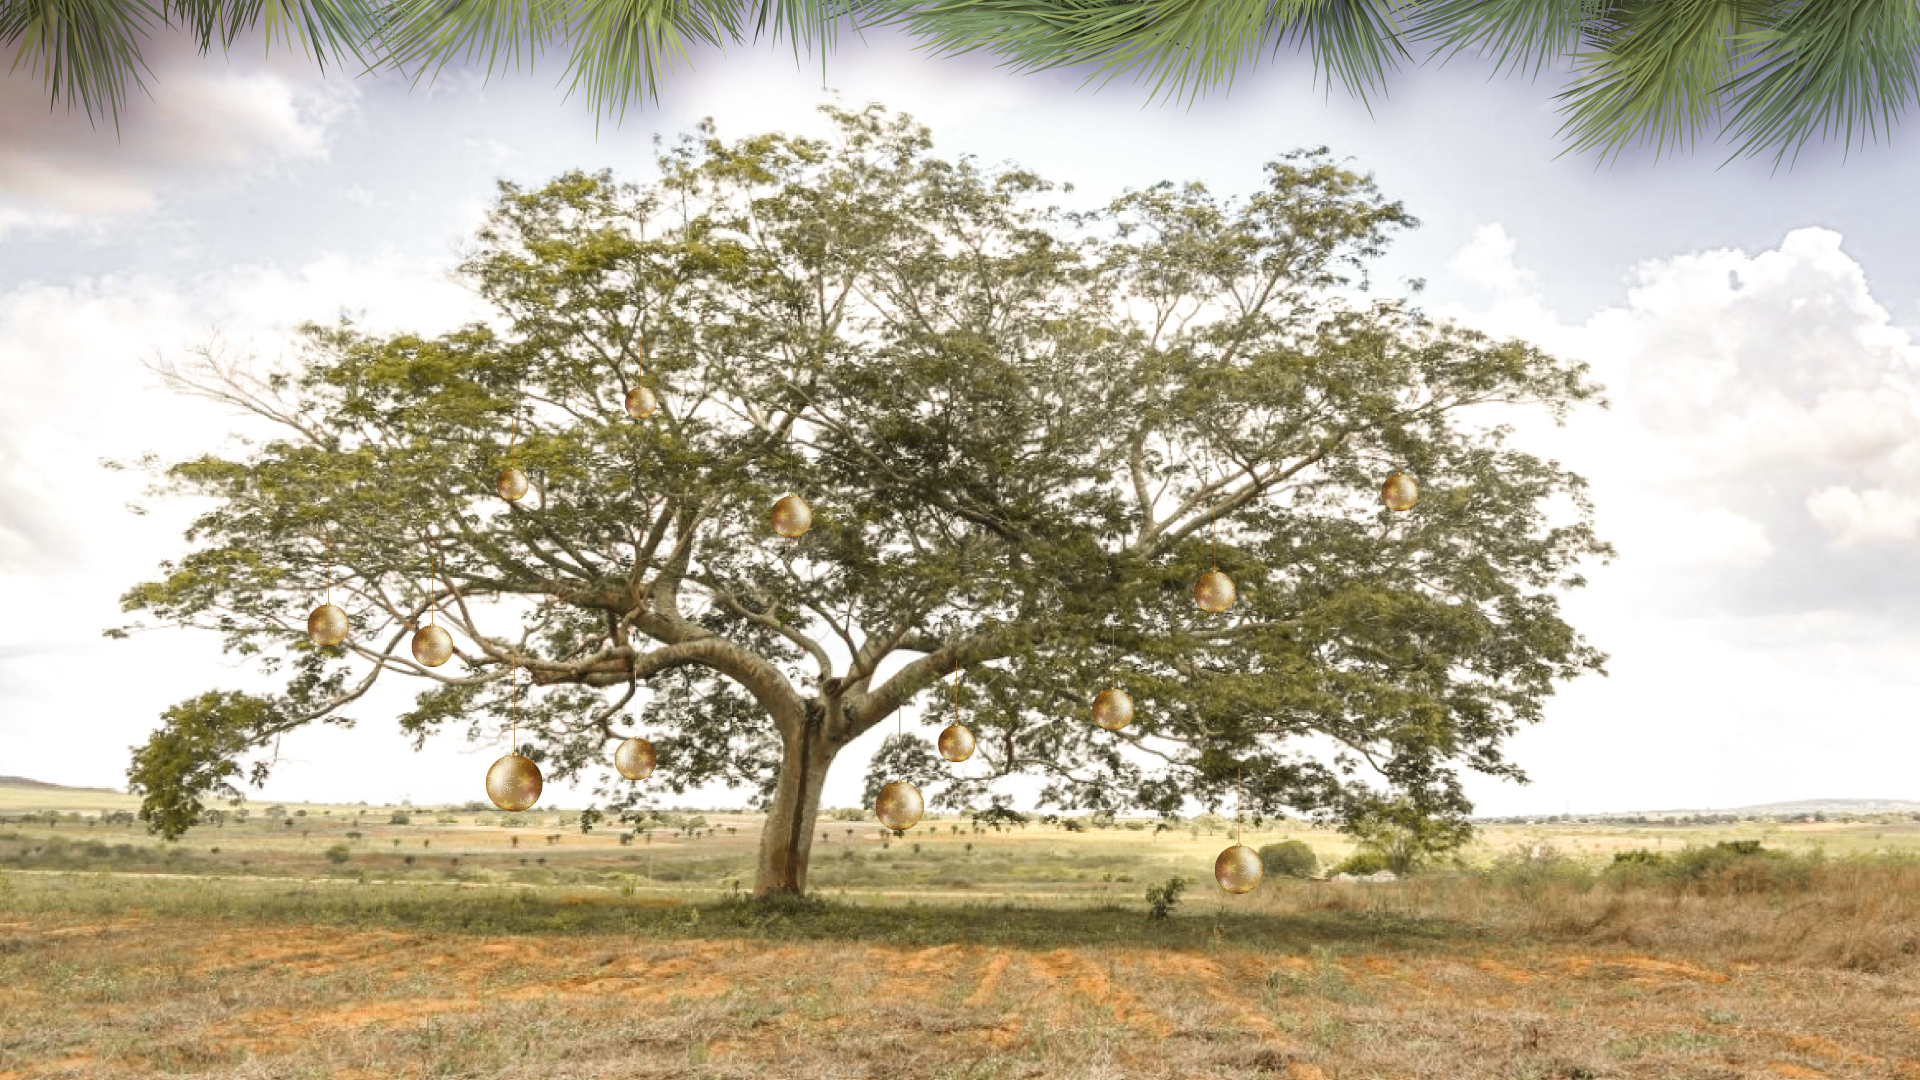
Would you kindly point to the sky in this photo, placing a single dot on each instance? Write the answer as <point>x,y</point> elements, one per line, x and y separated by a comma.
<point>1758,467</point>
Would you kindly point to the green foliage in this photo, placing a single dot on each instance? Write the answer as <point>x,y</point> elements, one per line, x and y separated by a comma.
<point>1737,866</point>
<point>1361,864</point>
<point>1404,832</point>
<point>1769,74</point>
<point>916,344</point>
<point>1289,858</point>
<point>1164,897</point>
<point>194,754</point>
<point>338,853</point>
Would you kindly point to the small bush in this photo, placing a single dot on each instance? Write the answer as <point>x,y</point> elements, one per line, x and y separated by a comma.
<point>1164,897</point>
<point>400,818</point>
<point>339,853</point>
<point>1290,859</point>
<point>1360,864</point>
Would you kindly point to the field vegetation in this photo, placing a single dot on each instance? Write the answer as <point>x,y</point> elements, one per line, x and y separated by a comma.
<point>456,942</point>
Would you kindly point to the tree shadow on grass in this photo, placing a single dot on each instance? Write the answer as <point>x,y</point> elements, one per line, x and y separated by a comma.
<point>501,910</point>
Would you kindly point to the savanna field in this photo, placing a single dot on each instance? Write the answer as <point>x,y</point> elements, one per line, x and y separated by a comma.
<point>358,942</point>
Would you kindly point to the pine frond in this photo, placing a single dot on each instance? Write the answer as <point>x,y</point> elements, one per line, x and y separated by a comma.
<point>85,51</point>
<point>1839,68</point>
<point>1652,71</point>
<point>1179,46</point>
<point>619,49</point>
<point>1520,35</point>
<point>88,52</point>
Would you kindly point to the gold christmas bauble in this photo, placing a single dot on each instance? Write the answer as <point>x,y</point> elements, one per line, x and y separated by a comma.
<point>641,403</point>
<point>791,517</point>
<point>327,625</point>
<point>899,806</point>
<point>512,484</point>
<point>956,743</point>
<point>1399,492</point>
<point>1213,592</point>
<point>514,783</point>
<point>1238,869</point>
<point>432,645</point>
<point>635,759</point>
<point>1113,709</point>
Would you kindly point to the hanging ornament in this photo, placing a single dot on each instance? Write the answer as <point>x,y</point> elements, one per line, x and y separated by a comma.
<point>635,758</point>
<point>514,782</point>
<point>899,806</point>
<point>512,484</point>
<point>1214,592</point>
<point>791,516</point>
<point>1238,868</point>
<point>1112,708</point>
<point>1399,492</point>
<point>641,403</point>
<point>432,646</point>
<point>956,742</point>
<point>327,625</point>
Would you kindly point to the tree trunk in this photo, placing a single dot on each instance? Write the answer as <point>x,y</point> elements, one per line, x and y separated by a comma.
<point>788,838</point>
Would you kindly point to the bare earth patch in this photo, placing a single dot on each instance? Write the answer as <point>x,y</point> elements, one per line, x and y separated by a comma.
<point>154,995</point>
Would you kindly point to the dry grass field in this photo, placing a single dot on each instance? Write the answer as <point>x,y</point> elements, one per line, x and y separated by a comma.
<point>1016,954</point>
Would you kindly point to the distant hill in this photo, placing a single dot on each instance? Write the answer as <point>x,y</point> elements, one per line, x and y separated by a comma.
<point>23,782</point>
<point>1831,806</point>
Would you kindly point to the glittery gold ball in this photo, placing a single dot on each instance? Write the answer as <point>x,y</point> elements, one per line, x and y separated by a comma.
<point>327,625</point>
<point>899,806</point>
<point>512,485</point>
<point>1213,592</point>
<point>1238,869</point>
<point>432,645</point>
<point>956,743</point>
<point>1113,709</point>
<point>791,517</point>
<point>641,403</point>
<point>635,759</point>
<point>1399,492</point>
<point>514,783</point>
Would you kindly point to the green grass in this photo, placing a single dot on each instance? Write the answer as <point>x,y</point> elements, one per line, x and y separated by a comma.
<point>497,909</point>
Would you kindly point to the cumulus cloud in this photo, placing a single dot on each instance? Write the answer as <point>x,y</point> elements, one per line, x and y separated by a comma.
<point>1765,421</point>
<point>1488,261</point>
<point>208,119</point>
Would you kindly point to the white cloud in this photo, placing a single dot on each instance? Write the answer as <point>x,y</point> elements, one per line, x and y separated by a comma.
<point>209,119</point>
<point>1875,516</point>
<point>1488,261</point>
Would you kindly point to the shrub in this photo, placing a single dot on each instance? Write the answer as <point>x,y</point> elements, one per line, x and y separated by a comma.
<point>1290,859</point>
<point>338,853</point>
<point>1360,864</point>
<point>1162,898</point>
<point>400,818</point>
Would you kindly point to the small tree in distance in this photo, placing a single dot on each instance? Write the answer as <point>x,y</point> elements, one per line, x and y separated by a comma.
<point>1024,434</point>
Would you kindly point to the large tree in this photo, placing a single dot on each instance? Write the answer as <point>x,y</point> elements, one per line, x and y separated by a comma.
<point>1024,433</point>
<point>1766,74</point>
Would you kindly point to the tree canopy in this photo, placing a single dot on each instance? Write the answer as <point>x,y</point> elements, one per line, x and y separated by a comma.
<point>1766,75</point>
<point>1024,433</point>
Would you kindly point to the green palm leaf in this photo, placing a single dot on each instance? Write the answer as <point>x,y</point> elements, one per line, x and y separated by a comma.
<point>87,52</point>
<point>620,49</point>
<point>1183,46</point>
<point>1840,68</point>
<point>1653,71</point>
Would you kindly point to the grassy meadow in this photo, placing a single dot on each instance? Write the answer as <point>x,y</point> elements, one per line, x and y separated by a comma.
<point>355,942</point>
